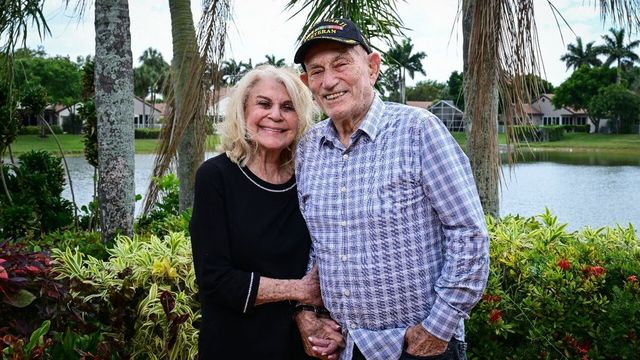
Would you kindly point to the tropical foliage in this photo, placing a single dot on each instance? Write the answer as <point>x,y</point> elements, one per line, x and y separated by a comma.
<point>35,205</point>
<point>232,71</point>
<point>427,90</point>
<point>400,60</point>
<point>617,51</point>
<point>556,294</point>
<point>579,55</point>
<point>376,19</point>
<point>581,87</point>
<point>149,78</point>
<point>618,104</point>
<point>145,293</point>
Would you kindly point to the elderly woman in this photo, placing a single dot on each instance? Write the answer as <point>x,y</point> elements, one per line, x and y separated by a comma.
<point>250,242</point>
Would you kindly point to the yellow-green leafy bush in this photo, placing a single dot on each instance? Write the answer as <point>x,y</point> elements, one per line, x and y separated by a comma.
<point>144,295</point>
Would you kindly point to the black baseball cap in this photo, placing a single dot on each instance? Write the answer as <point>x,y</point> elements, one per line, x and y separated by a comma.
<point>341,30</point>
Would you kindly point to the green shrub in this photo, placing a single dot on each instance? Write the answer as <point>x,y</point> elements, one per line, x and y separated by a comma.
<point>576,128</point>
<point>72,124</point>
<point>128,292</point>
<point>36,206</point>
<point>87,242</point>
<point>144,133</point>
<point>56,129</point>
<point>582,128</point>
<point>554,294</point>
<point>35,130</point>
<point>529,133</point>
<point>552,132</point>
<point>29,130</point>
<point>165,216</point>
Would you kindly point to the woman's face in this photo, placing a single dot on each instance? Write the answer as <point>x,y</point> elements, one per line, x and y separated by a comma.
<point>271,119</point>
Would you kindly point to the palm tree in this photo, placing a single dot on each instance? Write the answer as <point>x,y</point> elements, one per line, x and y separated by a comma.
<point>578,55</point>
<point>616,50</point>
<point>271,60</point>
<point>245,67</point>
<point>499,50</point>
<point>195,80</point>
<point>231,71</point>
<point>401,60</point>
<point>150,76</point>
<point>114,110</point>
<point>185,54</point>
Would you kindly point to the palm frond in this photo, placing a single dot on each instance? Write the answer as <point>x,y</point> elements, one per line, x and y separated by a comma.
<point>377,19</point>
<point>624,14</point>
<point>202,87</point>
<point>503,49</point>
<point>16,17</point>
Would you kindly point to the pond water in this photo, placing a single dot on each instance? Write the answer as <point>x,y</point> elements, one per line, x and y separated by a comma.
<point>581,188</point>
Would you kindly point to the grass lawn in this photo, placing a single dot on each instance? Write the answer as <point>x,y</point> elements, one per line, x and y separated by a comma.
<point>73,145</point>
<point>582,141</point>
<point>629,143</point>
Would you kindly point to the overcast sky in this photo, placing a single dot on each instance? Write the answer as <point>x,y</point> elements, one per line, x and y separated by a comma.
<point>261,27</point>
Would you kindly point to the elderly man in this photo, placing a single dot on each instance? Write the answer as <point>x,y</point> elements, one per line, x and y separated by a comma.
<point>398,231</point>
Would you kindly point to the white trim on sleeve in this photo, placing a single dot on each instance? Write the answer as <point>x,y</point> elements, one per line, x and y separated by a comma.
<point>246,303</point>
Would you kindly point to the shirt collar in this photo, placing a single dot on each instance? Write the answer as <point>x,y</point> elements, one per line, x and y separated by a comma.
<point>370,125</point>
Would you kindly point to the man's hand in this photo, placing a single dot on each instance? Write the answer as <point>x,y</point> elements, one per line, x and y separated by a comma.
<point>309,288</point>
<point>421,343</point>
<point>321,337</point>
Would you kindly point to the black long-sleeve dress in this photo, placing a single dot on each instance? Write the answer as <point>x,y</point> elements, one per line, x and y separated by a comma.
<point>243,228</point>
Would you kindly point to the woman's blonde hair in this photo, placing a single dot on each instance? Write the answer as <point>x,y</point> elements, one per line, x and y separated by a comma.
<point>235,141</point>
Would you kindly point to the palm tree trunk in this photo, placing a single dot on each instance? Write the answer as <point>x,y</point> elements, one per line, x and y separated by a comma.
<point>114,111</point>
<point>403,86</point>
<point>481,108</point>
<point>468,8</point>
<point>190,151</point>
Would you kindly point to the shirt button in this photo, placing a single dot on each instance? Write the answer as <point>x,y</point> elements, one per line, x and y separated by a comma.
<point>353,325</point>
<point>343,223</point>
<point>345,157</point>
<point>343,257</point>
<point>343,189</point>
<point>346,292</point>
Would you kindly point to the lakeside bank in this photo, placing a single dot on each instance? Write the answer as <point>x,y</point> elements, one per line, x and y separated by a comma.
<point>622,143</point>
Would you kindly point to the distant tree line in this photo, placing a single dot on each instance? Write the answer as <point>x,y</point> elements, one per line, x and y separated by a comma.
<point>604,91</point>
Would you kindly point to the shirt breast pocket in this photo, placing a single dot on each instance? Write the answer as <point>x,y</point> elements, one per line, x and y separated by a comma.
<point>394,193</point>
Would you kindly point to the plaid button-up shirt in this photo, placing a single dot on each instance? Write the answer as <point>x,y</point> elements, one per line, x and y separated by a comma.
<point>397,227</point>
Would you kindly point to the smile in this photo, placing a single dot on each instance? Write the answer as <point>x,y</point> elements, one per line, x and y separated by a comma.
<point>334,95</point>
<point>272,129</point>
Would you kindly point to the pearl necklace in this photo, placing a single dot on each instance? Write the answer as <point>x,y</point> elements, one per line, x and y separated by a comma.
<point>262,187</point>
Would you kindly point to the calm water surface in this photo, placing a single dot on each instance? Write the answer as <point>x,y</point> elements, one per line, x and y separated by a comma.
<point>581,188</point>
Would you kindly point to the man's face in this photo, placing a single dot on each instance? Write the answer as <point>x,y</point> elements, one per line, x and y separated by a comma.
<point>341,78</point>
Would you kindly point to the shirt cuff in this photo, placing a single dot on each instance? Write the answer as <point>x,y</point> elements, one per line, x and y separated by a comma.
<point>252,292</point>
<point>443,320</point>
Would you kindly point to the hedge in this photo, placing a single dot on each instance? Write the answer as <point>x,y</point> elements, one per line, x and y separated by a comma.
<point>552,132</point>
<point>35,130</point>
<point>146,133</point>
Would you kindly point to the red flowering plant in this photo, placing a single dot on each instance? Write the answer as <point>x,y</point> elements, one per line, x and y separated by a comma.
<point>554,294</point>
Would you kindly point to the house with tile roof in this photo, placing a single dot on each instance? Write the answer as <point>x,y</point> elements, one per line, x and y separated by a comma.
<point>543,112</point>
